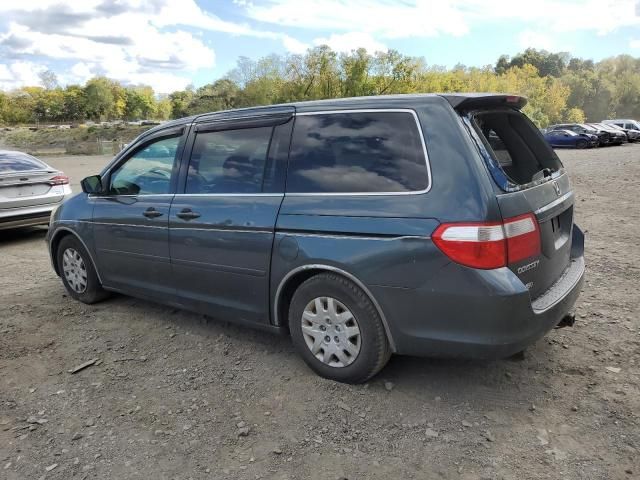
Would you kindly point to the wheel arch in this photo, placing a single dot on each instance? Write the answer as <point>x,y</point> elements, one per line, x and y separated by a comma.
<point>54,242</point>
<point>294,278</point>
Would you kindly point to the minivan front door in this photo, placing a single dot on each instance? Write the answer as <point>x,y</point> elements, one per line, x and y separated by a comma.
<point>131,219</point>
<point>221,226</point>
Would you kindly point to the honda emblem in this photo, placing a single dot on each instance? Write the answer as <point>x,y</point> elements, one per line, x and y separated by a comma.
<point>556,187</point>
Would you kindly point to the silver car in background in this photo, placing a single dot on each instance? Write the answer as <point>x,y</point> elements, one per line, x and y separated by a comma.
<point>29,190</point>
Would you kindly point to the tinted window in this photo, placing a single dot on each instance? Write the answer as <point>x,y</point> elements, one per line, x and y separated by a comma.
<point>356,152</point>
<point>231,161</point>
<point>148,171</point>
<point>19,162</point>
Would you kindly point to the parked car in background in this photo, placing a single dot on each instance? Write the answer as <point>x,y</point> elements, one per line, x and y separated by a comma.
<point>626,123</point>
<point>568,138</point>
<point>633,134</point>
<point>29,190</point>
<point>616,136</point>
<point>363,227</point>
<point>604,136</point>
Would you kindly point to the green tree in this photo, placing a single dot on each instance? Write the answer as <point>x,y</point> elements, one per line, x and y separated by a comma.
<point>574,115</point>
<point>75,103</point>
<point>163,108</point>
<point>140,103</point>
<point>99,98</point>
<point>547,63</point>
<point>180,101</point>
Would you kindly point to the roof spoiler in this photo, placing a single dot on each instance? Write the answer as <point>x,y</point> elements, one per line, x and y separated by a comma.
<point>476,101</point>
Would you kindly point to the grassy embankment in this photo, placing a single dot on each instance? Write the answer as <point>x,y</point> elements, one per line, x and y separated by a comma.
<point>75,141</point>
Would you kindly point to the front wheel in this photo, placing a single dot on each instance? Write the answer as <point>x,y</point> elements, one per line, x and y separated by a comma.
<point>337,329</point>
<point>77,272</point>
<point>581,144</point>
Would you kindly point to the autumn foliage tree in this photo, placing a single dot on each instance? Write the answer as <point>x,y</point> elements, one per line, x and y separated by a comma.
<point>559,88</point>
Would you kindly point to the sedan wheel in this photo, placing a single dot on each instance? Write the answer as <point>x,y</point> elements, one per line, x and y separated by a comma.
<point>75,271</point>
<point>331,332</point>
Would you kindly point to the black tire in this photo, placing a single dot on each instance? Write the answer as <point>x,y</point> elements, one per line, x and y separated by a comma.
<point>93,292</point>
<point>581,144</point>
<point>374,346</point>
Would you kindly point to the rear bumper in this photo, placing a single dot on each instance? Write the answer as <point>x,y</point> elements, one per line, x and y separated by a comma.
<point>26,216</point>
<point>477,313</point>
<point>35,210</point>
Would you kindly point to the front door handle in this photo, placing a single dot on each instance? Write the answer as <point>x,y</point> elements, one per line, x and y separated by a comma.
<point>187,214</point>
<point>152,213</point>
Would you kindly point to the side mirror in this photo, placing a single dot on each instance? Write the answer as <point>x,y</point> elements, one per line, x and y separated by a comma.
<point>92,184</point>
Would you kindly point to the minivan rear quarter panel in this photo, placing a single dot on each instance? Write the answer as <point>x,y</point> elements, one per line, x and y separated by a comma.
<point>384,240</point>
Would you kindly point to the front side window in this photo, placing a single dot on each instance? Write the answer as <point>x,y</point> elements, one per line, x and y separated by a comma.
<point>357,152</point>
<point>231,161</point>
<point>148,171</point>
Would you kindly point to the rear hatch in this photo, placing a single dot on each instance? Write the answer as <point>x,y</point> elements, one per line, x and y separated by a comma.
<point>530,182</point>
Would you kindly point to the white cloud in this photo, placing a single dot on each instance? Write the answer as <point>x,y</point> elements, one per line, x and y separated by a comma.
<point>81,72</point>
<point>390,20</point>
<point>634,43</point>
<point>131,40</point>
<point>351,41</point>
<point>425,18</point>
<point>20,73</point>
<point>293,45</point>
<point>529,38</point>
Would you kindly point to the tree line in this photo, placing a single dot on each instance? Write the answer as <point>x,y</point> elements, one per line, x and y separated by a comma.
<point>559,87</point>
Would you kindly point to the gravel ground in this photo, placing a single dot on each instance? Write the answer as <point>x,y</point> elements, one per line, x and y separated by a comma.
<point>175,395</point>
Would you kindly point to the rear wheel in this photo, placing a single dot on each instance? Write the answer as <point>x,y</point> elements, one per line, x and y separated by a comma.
<point>337,329</point>
<point>77,271</point>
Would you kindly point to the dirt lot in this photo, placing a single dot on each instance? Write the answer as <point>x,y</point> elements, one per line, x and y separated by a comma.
<point>174,392</point>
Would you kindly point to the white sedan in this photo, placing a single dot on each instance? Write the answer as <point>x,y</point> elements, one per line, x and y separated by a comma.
<point>29,190</point>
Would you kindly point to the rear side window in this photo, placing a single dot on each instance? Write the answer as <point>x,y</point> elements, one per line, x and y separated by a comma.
<point>516,146</point>
<point>357,152</point>
<point>19,162</point>
<point>231,161</point>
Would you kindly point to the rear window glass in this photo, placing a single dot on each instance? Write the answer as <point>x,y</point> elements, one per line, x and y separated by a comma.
<point>19,162</point>
<point>516,146</point>
<point>357,152</point>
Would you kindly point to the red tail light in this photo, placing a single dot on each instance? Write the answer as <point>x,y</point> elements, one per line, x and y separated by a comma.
<point>489,245</point>
<point>58,180</point>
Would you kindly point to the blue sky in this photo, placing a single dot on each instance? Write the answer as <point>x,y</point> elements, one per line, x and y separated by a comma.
<point>169,44</point>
